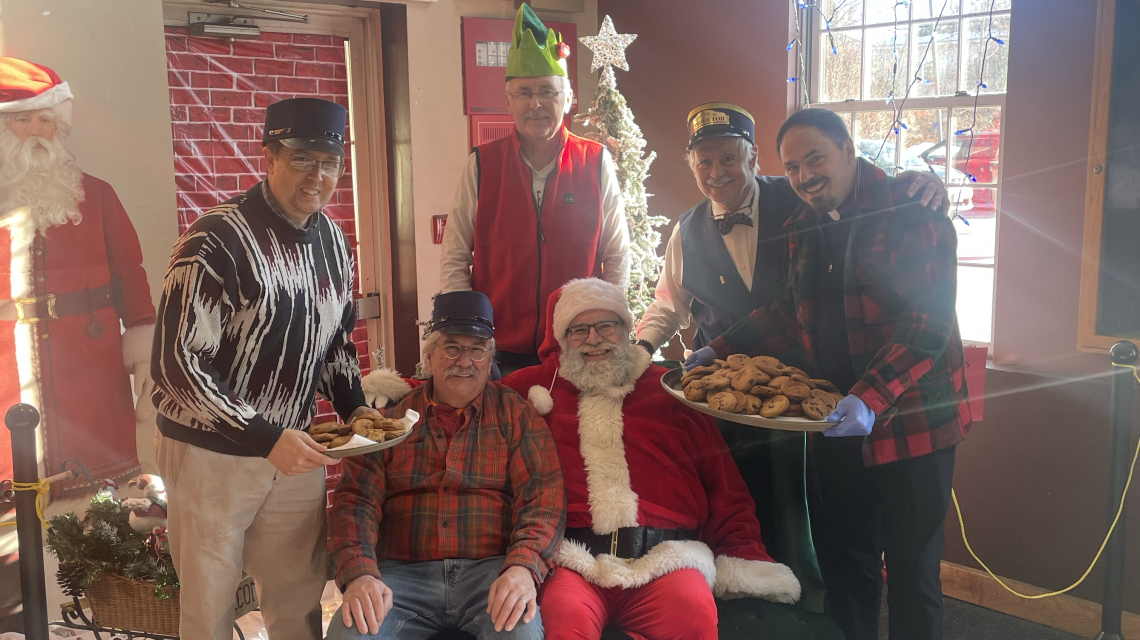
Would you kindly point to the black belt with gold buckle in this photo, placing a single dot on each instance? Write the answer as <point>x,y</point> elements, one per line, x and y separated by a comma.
<point>628,543</point>
<point>56,306</point>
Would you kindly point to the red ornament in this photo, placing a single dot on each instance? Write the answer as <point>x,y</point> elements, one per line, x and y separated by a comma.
<point>563,50</point>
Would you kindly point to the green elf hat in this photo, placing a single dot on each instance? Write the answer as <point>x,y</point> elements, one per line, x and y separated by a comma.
<point>527,58</point>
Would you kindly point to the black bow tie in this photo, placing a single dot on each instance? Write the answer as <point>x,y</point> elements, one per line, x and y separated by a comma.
<point>730,220</point>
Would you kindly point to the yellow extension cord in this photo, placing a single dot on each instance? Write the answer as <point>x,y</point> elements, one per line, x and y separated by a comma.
<point>1119,510</point>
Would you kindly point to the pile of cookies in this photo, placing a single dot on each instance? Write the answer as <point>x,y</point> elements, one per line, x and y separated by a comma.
<point>375,428</point>
<point>761,386</point>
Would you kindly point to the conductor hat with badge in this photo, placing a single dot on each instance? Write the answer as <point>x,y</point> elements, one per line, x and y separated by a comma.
<point>306,123</point>
<point>719,120</point>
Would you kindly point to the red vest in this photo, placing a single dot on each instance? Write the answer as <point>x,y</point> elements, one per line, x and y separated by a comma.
<point>523,253</point>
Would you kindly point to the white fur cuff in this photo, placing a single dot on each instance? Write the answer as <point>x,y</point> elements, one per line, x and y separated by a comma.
<point>137,342</point>
<point>738,578</point>
<point>383,387</point>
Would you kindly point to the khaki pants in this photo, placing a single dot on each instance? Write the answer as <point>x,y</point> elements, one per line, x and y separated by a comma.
<point>227,513</point>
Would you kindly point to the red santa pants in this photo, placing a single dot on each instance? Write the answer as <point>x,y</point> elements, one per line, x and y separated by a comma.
<point>676,606</point>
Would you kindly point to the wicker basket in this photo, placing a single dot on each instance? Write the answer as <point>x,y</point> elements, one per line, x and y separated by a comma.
<point>120,603</point>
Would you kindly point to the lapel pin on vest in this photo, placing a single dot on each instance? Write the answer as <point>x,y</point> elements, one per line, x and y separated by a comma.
<point>722,280</point>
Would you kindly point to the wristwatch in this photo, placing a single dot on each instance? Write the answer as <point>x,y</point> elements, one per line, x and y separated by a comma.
<point>647,345</point>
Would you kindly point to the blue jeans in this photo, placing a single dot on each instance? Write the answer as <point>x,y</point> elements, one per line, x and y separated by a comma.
<point>443,595</point>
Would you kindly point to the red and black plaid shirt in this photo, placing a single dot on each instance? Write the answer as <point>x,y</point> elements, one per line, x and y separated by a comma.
<point>493,488</point>
<point>899,287</point>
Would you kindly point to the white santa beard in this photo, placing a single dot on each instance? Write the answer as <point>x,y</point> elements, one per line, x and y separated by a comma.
<point>47,180</point>
<point>614,371</point>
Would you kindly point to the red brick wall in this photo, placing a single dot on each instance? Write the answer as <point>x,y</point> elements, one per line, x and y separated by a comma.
<point>218,95</point>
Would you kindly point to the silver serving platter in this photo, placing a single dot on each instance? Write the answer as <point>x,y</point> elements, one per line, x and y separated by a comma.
<point>672,383</point>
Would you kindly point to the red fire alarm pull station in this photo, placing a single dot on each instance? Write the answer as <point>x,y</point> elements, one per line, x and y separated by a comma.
<point>438,224</point>
<point>485,45</point>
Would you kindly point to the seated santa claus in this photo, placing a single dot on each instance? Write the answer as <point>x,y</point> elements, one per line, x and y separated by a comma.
<point>659,520</point>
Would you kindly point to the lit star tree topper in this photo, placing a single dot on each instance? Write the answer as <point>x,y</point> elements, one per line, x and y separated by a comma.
<point>609,46</point>
<point>612,121</point>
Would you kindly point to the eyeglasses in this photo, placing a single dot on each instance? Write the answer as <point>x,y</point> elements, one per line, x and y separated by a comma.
<point>478,354</point>
<point>302,162</point>
<point>605,329</point>
<point>544,95</point>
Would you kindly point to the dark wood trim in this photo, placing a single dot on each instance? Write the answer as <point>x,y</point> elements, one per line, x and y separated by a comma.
<point>398,127</point>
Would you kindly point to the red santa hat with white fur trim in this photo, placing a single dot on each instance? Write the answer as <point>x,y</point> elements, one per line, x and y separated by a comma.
<point>563,305</point>
<point>576,296</point>
<point>27,86</point>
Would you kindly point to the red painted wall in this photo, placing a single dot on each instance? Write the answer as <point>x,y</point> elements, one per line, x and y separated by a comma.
<point>1041,229</point>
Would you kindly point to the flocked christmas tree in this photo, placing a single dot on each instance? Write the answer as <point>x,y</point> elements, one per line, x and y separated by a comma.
<point>613,126</point>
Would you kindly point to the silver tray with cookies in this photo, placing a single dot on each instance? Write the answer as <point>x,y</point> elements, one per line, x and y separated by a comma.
<point>364,434</point>
<point>758,391</point>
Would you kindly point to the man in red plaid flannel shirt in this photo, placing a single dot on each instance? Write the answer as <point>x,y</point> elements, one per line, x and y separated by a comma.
<point>455,527</point>
<point>869,305</point>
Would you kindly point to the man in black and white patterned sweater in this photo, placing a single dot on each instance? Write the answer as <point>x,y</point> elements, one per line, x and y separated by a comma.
<point>255,319</point>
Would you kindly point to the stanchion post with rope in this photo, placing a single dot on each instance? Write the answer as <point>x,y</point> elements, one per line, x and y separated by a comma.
<point>1124,356</point>
<point>22,420</point>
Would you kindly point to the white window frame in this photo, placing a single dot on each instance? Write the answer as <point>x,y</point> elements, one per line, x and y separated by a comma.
<point>819,46</point>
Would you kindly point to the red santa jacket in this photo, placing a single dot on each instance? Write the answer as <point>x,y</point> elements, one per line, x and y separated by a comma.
<point>522,252</point>
<point>633,456</point>
<point>79,362</point>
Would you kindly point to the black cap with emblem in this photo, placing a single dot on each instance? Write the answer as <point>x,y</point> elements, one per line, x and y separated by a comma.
<point>720,119</point>
<point>306,123</point>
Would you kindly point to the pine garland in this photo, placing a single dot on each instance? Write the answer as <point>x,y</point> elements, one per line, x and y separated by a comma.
<point>103,543</point>
<point>615,128</point>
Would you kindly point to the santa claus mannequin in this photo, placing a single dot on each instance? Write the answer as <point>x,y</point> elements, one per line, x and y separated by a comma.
<point>72,282</point>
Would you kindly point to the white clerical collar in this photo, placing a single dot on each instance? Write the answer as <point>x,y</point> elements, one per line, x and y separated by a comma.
<point>719,210</point>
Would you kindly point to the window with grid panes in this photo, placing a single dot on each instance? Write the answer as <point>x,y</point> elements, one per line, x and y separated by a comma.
<point>925,57</point>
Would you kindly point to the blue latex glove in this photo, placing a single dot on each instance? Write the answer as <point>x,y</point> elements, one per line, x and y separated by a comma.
<point>855,418</point>
<point>702,357</point>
